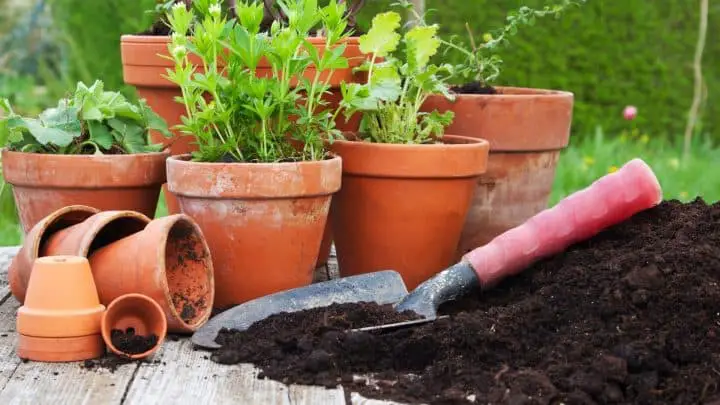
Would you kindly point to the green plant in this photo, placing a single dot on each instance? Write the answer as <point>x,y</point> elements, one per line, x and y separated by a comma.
<point>399,85</point>
<point>91,121</point>
<point>264,102</point>
<point>481,63</point>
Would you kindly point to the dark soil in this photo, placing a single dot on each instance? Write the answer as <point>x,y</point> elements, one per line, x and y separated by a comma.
<point>474,88</point>
<point>128,342</point>
<point>631,316</point>
<point>109,362</point>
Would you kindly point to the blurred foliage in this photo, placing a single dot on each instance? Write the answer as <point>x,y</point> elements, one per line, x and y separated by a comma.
<point>610,53</point>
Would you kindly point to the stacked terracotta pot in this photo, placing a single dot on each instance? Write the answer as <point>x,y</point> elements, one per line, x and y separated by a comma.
<point>153,277</point>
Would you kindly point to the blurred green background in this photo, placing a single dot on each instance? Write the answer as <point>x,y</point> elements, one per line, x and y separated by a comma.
<point>609,53</point>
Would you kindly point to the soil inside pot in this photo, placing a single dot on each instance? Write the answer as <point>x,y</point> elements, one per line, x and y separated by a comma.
<point>474,88</point>
<point>630,316</point>
<point>128,342</point>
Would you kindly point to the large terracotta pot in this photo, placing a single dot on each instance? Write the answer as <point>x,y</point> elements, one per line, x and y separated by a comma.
<point>527,129</point>
<point>402,207</point>
<point>44,183</point>
<point>263,221</point>
<point>144,68</point>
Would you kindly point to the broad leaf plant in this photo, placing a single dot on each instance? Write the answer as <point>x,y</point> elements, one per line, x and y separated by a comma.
<point>91,121</point>
<point>240,111</point>
<point>400,78</point>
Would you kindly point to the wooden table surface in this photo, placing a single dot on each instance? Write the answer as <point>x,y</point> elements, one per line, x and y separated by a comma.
<point>176,374</point>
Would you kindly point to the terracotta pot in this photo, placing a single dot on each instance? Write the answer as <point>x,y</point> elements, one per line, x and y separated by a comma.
<point>61,303</point>
<point>527,129</point>
<point>43,183</point>
<point>144,65</point>
<point>402,207</point>
<point>137,314</point>
<point>21,265</point>
<point>95,232</point>
<point>263,221</point>
<point>168,261</point>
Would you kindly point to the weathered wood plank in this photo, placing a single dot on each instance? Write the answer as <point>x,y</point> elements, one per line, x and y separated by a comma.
<point>187,376</point>
<point>6,256</point>
<point>305,395</point>
<point>8,311</point>
<point>60,383</point>
<point>8,360</point>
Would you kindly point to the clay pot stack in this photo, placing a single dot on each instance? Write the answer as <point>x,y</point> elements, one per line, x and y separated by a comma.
<point>153,276</point>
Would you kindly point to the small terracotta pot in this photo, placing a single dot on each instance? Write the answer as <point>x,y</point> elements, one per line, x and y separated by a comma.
<point>62,302</point>
<point>168,261</point>
<point>402,207</point>
<point>527,129</point>
<point>21,265</point>
<point>144,65</point>
<point>263,222</point>
<point>43,183</point>
<point>138,314</point>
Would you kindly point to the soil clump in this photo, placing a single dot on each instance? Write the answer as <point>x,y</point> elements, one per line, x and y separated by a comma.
<point>128,342</point>
<point>631,316</point>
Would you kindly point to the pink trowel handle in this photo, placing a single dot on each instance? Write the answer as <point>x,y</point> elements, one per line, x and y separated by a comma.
<point>606,202</point>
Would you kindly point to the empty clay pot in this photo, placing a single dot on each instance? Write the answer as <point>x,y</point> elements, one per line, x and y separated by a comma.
<point>134,326</point>
<point>264,222</point>
<point>168,261</point>
<point>95,232</point>
<point>527,129</point>
<point>402,207</point>
<point>22,263</point>
<point>61,308</point>
<point>43,183</point>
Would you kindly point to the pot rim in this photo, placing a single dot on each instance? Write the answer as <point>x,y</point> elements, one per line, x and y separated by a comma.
<point>118,171</point>
<point>416,161</point>
<point>183,159</point>
<point>164,39</point>
<point>525,92</point>
<point>168,223</point>
<point>106,330</point>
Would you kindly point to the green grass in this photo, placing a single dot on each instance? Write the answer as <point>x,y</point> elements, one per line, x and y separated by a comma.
<point>587,159</point>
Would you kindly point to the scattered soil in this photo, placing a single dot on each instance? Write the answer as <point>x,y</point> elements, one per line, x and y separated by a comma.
<point>128,342</point>
<point>631,316</point>
<point>109,362</point>
<point>474,88</point>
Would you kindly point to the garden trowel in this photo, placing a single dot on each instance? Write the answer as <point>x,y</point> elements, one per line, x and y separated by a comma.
<point>608,201</point>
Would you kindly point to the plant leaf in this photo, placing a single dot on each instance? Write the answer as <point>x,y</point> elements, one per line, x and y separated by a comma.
<point>421,45</point>
<point>46,136</point>
<point>100,134</point>
<point>381,39</point>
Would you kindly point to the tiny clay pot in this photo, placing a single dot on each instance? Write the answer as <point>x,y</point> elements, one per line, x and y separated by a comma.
<point>60,319</point>
<point>21,265</point>
<point>168,261</point>
<point>134,326</point>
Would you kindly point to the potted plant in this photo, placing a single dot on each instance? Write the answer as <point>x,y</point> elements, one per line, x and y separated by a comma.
<point>145,58</point>
<point>261,181</point>
<point>406,185</point>
<point>527,129</point>
<point>92,149</point>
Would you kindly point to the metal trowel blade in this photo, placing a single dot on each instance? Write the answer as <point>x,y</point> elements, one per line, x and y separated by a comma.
<point>382,287</point>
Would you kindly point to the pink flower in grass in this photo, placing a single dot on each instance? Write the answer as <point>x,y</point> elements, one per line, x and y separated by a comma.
<point>630,112</point>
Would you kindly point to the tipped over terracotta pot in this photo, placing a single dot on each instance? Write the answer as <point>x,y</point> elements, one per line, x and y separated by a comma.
<point>134,326</point>
<point>44,183</point>
<point>21,265</point>
<point>168,261</point>
<point>264,222</point>
<point>80,239</point>
<point>527,129</point>
<point>60,320</point>
<point>402,207</point>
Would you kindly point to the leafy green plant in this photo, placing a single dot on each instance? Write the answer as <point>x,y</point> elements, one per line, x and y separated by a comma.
<point>398,85</point>
<point>92,121</point>
<point>259,97</point>
<point>480,62</point>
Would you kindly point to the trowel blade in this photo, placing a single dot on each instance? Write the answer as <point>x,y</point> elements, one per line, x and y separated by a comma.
<point>382,287</point>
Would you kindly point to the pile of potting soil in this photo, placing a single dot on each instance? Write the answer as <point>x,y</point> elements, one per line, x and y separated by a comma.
<point>631,316</point>
<point>130,343</point>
